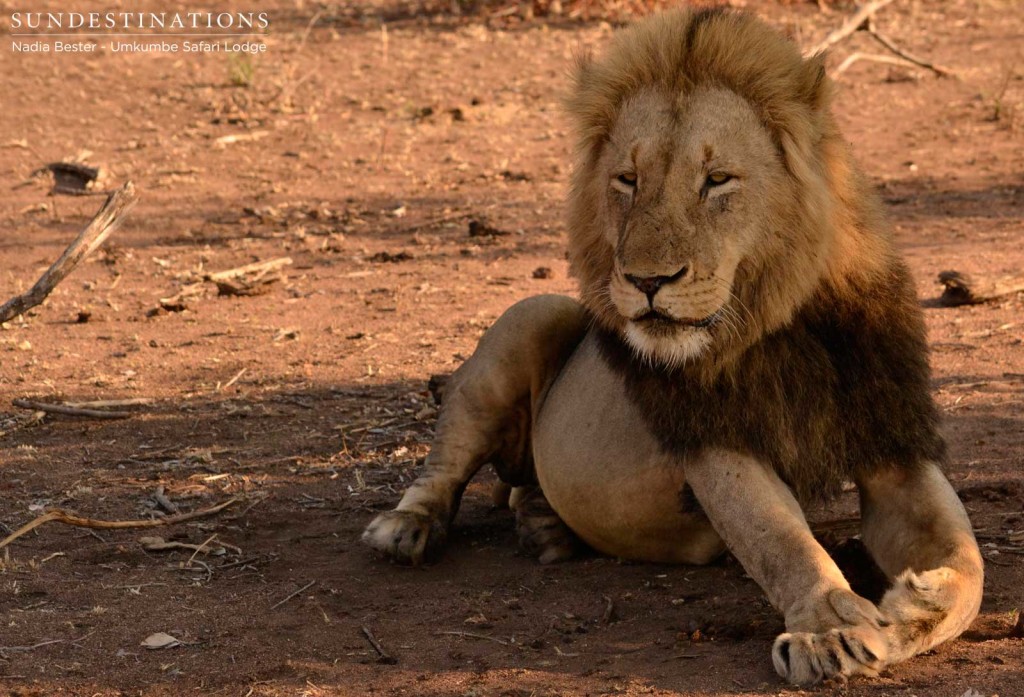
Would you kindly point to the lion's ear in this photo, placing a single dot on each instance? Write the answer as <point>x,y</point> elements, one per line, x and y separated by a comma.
<point>816,88</point>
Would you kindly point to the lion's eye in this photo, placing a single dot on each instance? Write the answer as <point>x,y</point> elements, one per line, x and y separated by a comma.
<point>628,180</point>
<point>717,179</point>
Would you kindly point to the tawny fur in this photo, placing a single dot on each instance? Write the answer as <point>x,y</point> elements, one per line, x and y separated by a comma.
<point>827,223</point>
<point>747,336</point>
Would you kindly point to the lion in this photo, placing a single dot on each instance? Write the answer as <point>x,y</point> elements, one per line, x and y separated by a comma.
<point>745,341</point>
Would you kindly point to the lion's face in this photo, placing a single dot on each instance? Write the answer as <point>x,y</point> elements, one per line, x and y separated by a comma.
<point>710,187</point>
<point>689,185</point>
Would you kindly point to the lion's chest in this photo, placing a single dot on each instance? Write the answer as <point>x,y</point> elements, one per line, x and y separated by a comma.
<point>601,469</point>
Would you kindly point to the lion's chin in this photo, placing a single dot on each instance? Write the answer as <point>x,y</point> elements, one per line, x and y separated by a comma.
<point>672,346</point>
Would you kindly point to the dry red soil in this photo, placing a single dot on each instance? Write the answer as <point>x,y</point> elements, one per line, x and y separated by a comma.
<point>364,159</point>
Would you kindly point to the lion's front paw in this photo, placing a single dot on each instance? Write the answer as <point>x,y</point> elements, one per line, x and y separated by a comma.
<point>803,658</point>
<point>405,536</point>
<point>836,608</point>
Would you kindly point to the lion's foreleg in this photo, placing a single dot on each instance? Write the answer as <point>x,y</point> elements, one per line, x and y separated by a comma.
<point>832,631</point>
<point>486,413</point>
<point>917,530</point>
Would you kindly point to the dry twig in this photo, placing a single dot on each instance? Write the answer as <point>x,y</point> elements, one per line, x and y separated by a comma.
<point>201,548</point>
<point>862,19</point>
<point>285,600</point>
<point>94,234</point>
<point>164,502</point>
<point>31,647</point>
<point>471,635</point>
<point>232,381</point>
<point>907,55</point>
<point>849,26</point>
<point>68,518</point>
<point>69,410</point>
<point>383,656</point>
<point>609,610</point>
<point>104,403</point>
<point>874,58</point>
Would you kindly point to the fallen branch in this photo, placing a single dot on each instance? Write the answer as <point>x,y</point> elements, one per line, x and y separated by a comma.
<point>907,55</point>
<point>873,57</point>
<point>383,656</point>
<point>94,234</point>
<point>104,403</point>
<point>849,26</point>
<point>68,518</point>
<point>69,410</point>
<point>965,289</point>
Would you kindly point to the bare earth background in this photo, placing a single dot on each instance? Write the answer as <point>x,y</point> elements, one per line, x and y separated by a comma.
<point>364,160</point>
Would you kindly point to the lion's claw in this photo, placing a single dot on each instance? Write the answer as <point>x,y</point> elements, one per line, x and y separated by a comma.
<point>803,658</point>
<point>405,536</point>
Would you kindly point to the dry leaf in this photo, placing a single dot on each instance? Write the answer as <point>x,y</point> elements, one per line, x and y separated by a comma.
<point>160,640</point>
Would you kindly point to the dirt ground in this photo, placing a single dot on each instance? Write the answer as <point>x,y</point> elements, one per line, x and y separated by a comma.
<point>364,156</point>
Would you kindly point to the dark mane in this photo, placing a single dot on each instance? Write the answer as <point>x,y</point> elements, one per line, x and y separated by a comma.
<point>843,389</point>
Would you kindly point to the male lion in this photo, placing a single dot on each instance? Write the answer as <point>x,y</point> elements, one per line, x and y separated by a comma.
<point>746,339</point>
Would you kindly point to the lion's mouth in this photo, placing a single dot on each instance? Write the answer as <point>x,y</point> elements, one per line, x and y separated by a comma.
<point>658,322</point>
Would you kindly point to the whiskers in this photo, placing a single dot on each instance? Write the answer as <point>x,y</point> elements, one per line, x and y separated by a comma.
<point>598,299</point>
<point>734,322</point>
<point>658,346</point>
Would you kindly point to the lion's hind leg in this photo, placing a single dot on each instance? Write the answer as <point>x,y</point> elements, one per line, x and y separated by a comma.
<point>486,417</point>
<point>542,533</point>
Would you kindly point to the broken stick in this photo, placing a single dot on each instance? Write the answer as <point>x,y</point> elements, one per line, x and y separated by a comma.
<point>849,26</point>
<point>94,234</point>
<point>70,410</point>
<point>965,289</point>
<point>863,19</point>
<point>382,655</point>
<point>874,57</point>
<point>907,55</point>
<point>69,518</point>
<point>471,635</point>
<point>279,603</point>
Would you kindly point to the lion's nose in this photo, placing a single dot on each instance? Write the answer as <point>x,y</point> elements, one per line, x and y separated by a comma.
<point>650,285</point>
